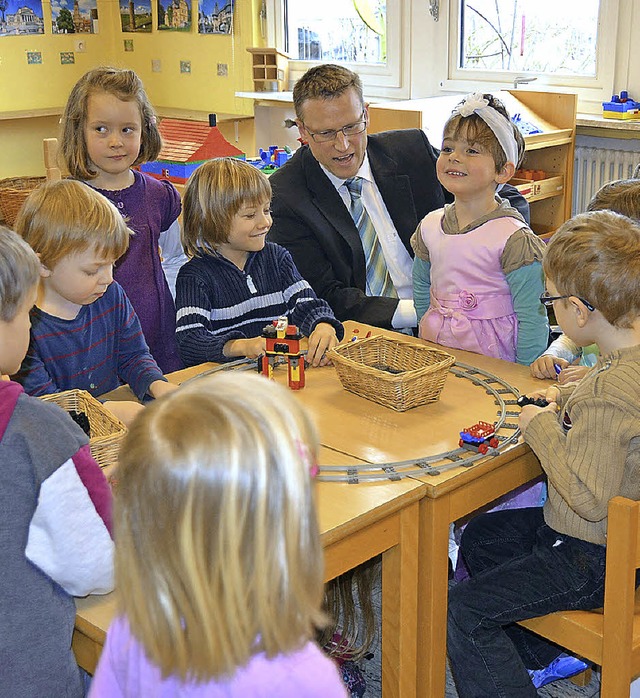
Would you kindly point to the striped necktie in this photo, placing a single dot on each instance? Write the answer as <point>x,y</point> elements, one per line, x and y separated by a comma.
<point>379,281</point>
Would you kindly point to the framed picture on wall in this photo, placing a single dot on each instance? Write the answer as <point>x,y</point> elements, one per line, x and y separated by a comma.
<point>215,17</point>
<point>74,16</point>
<point>174,15</point>
<point>20,17</point>
<point>135,15</point>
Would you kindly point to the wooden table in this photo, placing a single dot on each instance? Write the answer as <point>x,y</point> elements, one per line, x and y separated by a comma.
<point>360,521</point>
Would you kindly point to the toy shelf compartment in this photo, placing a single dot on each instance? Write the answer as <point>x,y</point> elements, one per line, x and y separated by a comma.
<point>270,69</point>
<point>538,189</point>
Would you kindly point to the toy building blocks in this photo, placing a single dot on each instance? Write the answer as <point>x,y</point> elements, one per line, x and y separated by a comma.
<point>479,438</point>
<point>185,146</point>
<point>526,400</point>
<point>269,160</point>
<point>621,107</point>
<point>283,340</point>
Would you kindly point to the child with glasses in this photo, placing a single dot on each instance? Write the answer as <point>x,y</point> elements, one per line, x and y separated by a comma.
<point>526,563</point>
<point>218,550</point>
<point>563,358</point>
<point>477,275</point>
<point>235,282</point>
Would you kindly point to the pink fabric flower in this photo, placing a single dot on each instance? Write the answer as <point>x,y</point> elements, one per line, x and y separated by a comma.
<point>467,300</point>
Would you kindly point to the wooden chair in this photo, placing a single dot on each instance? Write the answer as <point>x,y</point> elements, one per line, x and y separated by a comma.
<point>608,637</point>
<point>52,169</point>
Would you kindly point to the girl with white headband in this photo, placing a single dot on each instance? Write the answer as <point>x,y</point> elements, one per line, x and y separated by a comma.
<point>477,273</point>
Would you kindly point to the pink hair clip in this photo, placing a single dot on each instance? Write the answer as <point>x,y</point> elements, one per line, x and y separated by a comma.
<point>152,121</point>
<point>303,452</point>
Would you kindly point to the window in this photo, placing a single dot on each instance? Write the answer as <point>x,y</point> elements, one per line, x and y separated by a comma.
<point>367,35</point>
<point>559,43</point>
<point>539,36</point>
<point>335,31</point>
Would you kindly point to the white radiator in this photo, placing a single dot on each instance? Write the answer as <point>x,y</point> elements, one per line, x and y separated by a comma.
<point>594,167</point>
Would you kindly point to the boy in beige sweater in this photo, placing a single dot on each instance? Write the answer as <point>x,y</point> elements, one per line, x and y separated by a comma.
<point>526,563</point>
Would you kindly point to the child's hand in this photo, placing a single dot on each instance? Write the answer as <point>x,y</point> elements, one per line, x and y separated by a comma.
<point>545,366</point>
<point>251,348</point>
<point>321,340</point>
<point>573,374</point>
<point>159,388</point>
<point>530,411</point>
<point>125,410</point>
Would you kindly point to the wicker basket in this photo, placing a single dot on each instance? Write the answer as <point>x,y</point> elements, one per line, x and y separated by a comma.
<point>13,193</point>
<point>399,375</point>
<point>107,431</point>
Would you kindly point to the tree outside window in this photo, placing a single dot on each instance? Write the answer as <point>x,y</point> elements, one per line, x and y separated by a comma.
<point>556,37</point>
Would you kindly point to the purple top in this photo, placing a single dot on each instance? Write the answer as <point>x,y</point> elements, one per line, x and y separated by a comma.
<point>149,206</point>
<point>125,672</point>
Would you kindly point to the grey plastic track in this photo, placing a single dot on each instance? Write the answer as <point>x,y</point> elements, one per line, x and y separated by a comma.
<point>507,433</point>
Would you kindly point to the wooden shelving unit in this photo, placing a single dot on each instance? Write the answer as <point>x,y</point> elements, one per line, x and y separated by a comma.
<point>270,69</point>
<point>552,150</point>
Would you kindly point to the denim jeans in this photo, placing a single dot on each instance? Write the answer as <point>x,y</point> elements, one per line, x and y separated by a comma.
<point>520,568</point>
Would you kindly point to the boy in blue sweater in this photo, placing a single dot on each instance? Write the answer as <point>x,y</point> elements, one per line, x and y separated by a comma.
<point>236,283</point>
<point>85,333</point>
<point>55,510</point>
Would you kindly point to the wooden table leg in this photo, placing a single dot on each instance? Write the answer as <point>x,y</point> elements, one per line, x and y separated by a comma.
<point>432,596</point>
<point>400,609</point>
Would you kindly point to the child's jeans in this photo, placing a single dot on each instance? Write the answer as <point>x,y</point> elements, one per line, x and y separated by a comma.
<point>520,568</point>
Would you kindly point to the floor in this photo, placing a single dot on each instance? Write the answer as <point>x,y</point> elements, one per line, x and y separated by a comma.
<point>560,689</point>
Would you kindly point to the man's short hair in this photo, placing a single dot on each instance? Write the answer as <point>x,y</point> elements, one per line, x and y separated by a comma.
<point>596,256</point>
<point>325,81</point>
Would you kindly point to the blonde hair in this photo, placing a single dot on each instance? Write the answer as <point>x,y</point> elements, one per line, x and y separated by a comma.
<point>126,86</point>
<point>68,217</point>
<point>19,273</point>
<point>621,196</point>
<point>596,256</point>
<point>217,544</point>
<point>215,192</point>
<point>474,129</point>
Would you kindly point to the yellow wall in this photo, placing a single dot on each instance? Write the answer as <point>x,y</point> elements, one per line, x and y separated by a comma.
<point>32,96</point>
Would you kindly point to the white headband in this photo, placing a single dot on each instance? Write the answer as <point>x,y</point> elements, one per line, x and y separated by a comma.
<point>502,128</point>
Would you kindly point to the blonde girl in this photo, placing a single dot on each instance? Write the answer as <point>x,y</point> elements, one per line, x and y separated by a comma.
<point>477,273</point>
<point>218,557</point>
<point>107,127</point>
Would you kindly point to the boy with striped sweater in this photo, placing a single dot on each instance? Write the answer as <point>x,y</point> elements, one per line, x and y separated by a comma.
<point>85,333</point>
<point>236,283</point>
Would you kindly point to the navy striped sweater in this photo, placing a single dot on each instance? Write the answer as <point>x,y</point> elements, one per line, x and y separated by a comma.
<point>217,302</point>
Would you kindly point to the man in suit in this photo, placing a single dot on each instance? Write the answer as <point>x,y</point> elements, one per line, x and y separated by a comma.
<point>312,199</point>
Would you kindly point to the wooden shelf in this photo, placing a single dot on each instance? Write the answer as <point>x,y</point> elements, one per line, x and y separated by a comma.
<point>552,150</point>
<point>270,69</point>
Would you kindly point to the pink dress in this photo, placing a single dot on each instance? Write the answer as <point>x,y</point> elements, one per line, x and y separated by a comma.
<point>471,306</point>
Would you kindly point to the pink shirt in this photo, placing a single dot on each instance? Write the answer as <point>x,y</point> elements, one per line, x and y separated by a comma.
<point>125,672</point>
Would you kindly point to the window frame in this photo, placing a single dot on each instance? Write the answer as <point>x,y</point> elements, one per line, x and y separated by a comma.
<point>391,80</point>
<point>591,90</point>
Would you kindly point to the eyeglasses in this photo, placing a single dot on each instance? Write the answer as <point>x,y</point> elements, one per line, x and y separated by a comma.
<point>349,130</point>
<point>547,300</point>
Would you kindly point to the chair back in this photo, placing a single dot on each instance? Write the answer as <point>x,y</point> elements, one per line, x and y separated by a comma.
<point>52,167</point>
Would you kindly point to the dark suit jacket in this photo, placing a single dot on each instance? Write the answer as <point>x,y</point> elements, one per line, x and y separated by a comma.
<point>312,222</point>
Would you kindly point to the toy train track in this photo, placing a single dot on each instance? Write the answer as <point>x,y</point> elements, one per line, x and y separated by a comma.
<point>506,432</point>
